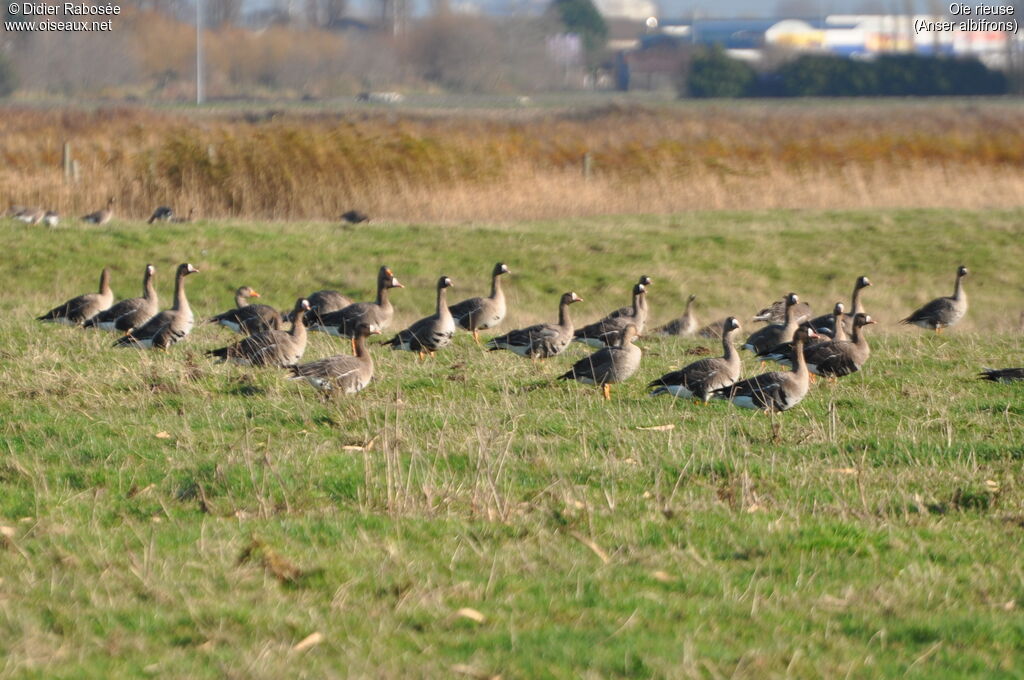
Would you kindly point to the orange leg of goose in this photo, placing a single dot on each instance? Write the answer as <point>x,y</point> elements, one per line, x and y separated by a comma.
<point>353,345</point>
<point>476,336</point>
<point>606,389</point>
<point>421,355</point>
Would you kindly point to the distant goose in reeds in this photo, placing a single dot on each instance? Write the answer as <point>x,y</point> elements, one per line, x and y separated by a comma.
<point>1002,375</point>
<point>608,365</point>
<point>480,313</point>
<point>78,310</point>
<point>775,334</point>
<point>943,312</point>
<point>184,220</point>
<point>684,326</point>
<point>774,391</point>
<point>354,217</point>
<point>169,326</point>
<point>542,340</point>
<point>246,318</point>
<point>51,218</point>
<point>377,314</point>
<point>431,333</point>
<point>163,213</point>
<point>608,331</point>
<point>15,210</point>
<point>132,313</point>
<point>702,377</point>
<point>101,216</point>
<point>341,373</point>
<point>825,324</point>
<point>30,215</point>
<point>272,347</point>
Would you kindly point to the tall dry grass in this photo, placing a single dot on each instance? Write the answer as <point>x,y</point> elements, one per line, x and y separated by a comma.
<point>492,166</point>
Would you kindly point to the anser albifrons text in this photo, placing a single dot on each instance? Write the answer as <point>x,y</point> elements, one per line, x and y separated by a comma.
<point>608,365</point>
<point>1003,375</point>
<point>169,326</point>
<point>132,313</point>
<point>480,313</point>
<point>542,340</point>
<point>161,214</point>
<point>684,326</point>
<point>608,331</point>
<point>272,347</point>
<point>246,318</point>
<point>78,310</point>
<point>774,391</point>
<point>377,315</point>
<point>101,216</point>
<point>431,333</point>
<point>342,373</point>
<point>943,312</point>
<point>704,376</point>
<point>775,334</point>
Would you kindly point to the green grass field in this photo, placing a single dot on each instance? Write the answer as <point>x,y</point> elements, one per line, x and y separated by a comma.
<point>161,515</point>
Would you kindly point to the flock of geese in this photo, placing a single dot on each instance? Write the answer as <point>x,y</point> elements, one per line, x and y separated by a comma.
<point>832,346</point>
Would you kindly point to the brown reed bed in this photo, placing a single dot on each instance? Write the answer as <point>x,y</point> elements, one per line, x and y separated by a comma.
<point>520,165</point>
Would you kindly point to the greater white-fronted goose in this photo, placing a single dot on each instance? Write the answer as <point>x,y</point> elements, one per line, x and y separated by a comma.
<point>480,313</point>
<point>322,302</point>
<point>715,329</point>
<point>101,216</point>
<point>31,216</point>
<point>646,282</point>
<point>169,326</point>
<point>837,358</point>
<point>774,391</point>
<point>542,340</point>
<point>132,313</point>
<point>51,218</point>
<point>826,324</point>
<point>943,312</point>
<point>341,373</point>
<point>608,331</point>
<point>354,217</point>
<point>776,334</point>
<point>162,214</point>
<point>704,376</point>
<point>775,313</point>
<point>1003,375</point>
<point>246,318</point>
<point>78,310</point>
<point>685,326</point>
<point>272,347</point>
<point>184,220</point>
<point>608,365</point>
<point>430,333</point>
<point>377,315</point>
<point>783,352</point>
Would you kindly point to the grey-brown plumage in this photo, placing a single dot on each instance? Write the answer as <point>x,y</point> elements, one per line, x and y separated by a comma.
<point>1003,375</point>
<point>320,303</point>
<point>774,391</point>
<point>608,331</point>
<point>783,352</point>
<point>943,312</point>
<point>608,365</point>
<point>431,333</point>
<point>700,378</point>
<point>826,323</point>
<point>685,326</point>
<point>341,373</point>
<point>480,313</point>
<point>132,313</point>
<point>838,358</point>
<point>715,329</point>
<point>646,282</point>
<point>169,326</point>
<point>542,340</point>
<point>247,318</point>
<point>78,310</point>
<point>163,213</point>
<point>775,313</point>
<point>775,334</point>
<point>377,315</point>
<point>272,347</point>
<point>101,216</point>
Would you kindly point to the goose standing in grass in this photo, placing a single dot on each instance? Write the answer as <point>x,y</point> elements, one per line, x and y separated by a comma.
<point>783,352</point>
<point>702,377</point>
<point>775,334</point>
<point>608,331</point>
<point>132,313</point>
<point>341,373</point>
<point>542,340</point>
<point>78,310</point>
<point>775,313</point>
<point>838,358</point>
<point>686,325</point>
<point>1003,375</point>
<point>377,315</point>
<point>163,213</point>
<point>271,347</point>
<point>826,324</point>
<point>774,391</point>
<point>101,216</point>
<point>51,218</point>
<point>608,365</point>
<point>943,312</point>
<point>246,318</point>
<point>354,217</point>
<point>30,216</point>
<point>646,282</point>
<point>169,326</point>
<point>431,333</point>
<point>480,313</point>
<point>320,303</point>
